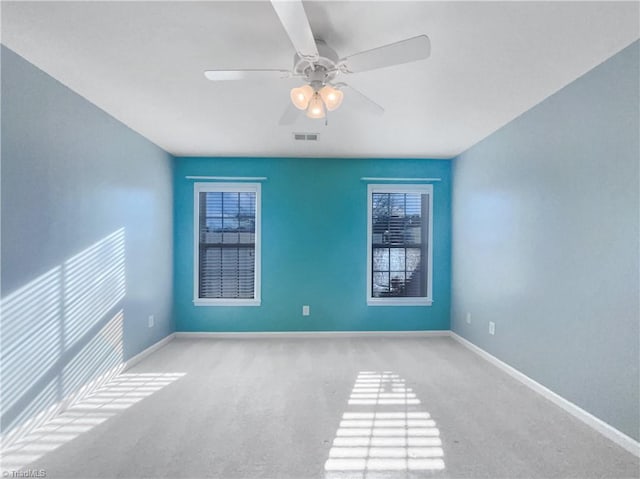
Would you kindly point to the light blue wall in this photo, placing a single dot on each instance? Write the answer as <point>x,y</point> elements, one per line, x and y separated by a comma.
<point>73,177</point>
<point>314,230</point>
<point>545,228</point>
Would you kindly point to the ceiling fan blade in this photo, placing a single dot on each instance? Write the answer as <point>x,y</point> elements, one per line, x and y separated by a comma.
<point>359,100</point>
<point>290,115</point>
<point>225,75</point>
<point>296,24</point>
<point>405,51</point>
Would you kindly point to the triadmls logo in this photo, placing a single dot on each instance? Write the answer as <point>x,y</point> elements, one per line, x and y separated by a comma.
<point>25,473</point>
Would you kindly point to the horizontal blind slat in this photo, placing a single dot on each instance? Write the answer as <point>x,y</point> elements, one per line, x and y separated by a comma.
<point>227,245</point>
<point>398,244</point>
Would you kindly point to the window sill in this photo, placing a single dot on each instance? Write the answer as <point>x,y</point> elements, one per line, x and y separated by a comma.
<point>226,302</point>
<point>399,302</point>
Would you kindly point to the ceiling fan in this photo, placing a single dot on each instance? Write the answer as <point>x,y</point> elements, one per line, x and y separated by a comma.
<point>318,66</point>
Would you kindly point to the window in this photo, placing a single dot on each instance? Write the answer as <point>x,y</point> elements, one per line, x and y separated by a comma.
<point>399,245</point>
<point>227,244</point>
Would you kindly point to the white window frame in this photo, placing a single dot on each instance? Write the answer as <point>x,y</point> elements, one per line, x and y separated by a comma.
<point>213,187</point>
<point>395,188</point>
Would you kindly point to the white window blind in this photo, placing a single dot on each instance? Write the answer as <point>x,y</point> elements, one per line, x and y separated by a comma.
<point>227,243</point>
<point>399,246</point>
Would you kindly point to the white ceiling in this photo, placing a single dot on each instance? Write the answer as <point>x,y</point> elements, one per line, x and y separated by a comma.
<point>143,63</point>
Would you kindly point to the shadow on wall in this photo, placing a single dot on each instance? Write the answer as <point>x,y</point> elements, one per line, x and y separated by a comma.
<point>384,432</point>
<point>62,336</point>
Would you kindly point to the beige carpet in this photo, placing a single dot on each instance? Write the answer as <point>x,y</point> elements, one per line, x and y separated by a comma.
<point>318,408</point>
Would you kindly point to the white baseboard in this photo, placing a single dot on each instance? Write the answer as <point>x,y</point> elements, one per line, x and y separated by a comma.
<point>610,432</point>
<point>143,354</point>
<point>15,435</point>
<point>312,334</point>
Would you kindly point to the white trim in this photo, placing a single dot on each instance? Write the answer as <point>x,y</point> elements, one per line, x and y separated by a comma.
<point>226,302</point>
<point>372,178</point>
<point>227,187</point>
<point>143,354</point>
<point>311,334</point>
<point>399,302</point>
<point>610,432</point>
<point>391,188</point>
<point>227,178</point>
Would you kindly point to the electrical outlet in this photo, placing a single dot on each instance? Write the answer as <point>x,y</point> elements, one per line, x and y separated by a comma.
<point>492,328</point>
<point>151,321</point>
<point>305,310</point>
<point>468,318</point>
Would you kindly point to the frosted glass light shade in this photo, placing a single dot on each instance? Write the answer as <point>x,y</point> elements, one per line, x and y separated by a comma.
<point>332,98</point>
<point>316,108</point>
<point>301,96</point>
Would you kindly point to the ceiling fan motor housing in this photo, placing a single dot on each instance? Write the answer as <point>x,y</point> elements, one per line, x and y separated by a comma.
<point>322,71</point>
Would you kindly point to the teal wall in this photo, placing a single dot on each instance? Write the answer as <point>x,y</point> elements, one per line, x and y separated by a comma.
<point>314,232</point>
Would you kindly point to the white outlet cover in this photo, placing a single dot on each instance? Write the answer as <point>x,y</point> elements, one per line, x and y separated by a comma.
<point>151,321</point>
<point>468,318</point>
<point>305,310</point>
<point>492,327</point>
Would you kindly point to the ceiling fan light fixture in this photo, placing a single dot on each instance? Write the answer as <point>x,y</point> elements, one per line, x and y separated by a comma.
<point>301,96</point>
<point>332,97</point>
<point>316,107</point>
